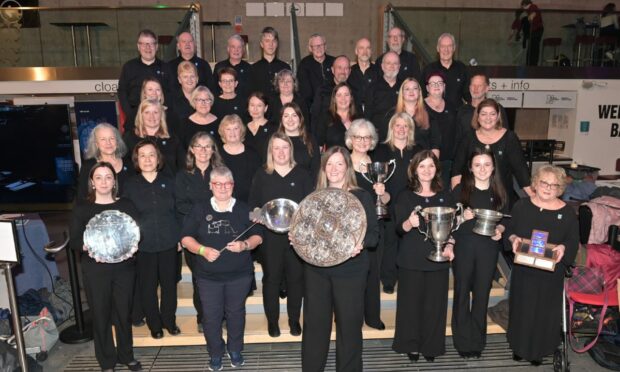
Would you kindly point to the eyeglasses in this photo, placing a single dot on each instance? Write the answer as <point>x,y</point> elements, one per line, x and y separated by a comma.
<point>317,46</point>
<point>204,148</point>
<point>227,81</point>
<point>362,138</point>
<point>203,101</point>
<point>222,185</point>
<point>436,84</point>
<point>142,44</point>
<point>546,185</point>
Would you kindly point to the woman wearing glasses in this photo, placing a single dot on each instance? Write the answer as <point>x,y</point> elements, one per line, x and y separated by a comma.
<point>229,102</point>
<point>360,138</point>
<point>285,84</point>
<point>202,120</point>
<point>489,133</point>
<point>223,265</point>
<point>535,321</point>
<point>192,187</point>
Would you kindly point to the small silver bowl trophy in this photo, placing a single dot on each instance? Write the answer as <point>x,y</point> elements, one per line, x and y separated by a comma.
<point>536,252</point>
<point>377,172</point>
<point>486,221</point>
<point>440,222</point>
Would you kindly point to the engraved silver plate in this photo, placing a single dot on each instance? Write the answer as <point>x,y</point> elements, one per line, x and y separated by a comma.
<point>327,226</point>
<point>111,237</point>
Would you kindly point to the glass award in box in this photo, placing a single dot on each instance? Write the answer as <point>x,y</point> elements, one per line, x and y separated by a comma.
<point>536,252</point>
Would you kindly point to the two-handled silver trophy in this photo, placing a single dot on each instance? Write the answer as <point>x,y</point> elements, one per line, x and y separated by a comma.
<point>379,172</point>
<point>439,224</point>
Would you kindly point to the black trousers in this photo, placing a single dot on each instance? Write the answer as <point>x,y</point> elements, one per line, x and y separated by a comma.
<point>473,268</point>
<point>189,260</point>
<point>325,295</point>
<point>280,262</point>
<point>158,269</point>
<point>109,291</point>
<point>421,307</point>
<point>389,270</point>
<point>372,295</point>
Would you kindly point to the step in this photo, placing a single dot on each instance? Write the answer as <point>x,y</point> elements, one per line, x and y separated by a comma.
<point>256,331</point>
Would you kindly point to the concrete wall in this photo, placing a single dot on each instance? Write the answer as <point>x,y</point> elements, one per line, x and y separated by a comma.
<point>476,30</point>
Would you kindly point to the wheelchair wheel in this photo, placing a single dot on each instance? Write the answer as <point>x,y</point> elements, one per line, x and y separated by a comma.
<point>560,362</point>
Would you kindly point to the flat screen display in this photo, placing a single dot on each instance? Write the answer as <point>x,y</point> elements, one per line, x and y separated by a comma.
<point>37,164</point>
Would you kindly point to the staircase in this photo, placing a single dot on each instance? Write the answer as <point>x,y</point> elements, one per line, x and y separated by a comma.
<point>256,323</point>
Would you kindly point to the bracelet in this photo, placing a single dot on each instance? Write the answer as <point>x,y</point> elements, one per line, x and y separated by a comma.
<point>201,250</point>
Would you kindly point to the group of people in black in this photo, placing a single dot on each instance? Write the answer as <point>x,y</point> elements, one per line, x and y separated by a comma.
<point>200,150</point>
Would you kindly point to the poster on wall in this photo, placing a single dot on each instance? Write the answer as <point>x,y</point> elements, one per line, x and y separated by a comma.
<point>90,113</point>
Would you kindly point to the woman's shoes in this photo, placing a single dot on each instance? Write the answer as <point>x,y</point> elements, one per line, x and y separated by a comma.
<point>174,330</point>
<point>429,359</point>
<point>134,365</point>
<point>273,329</point>
<point>380,326</point>
<point>157,334</point>
<point>536,362</point>
<point>295,328</point>
<point>414,357</point>
<point>516,358</point>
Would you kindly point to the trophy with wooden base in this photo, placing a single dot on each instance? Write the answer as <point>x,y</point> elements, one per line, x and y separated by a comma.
<point>536,252</point>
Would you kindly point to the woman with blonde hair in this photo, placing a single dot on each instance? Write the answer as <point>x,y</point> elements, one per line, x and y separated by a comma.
<point>202,120</point>
<point>187,82</point>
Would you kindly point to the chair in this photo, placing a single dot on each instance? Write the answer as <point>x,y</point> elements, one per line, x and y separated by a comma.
<point>602,45</point>
<point>583,49</point>
<point>553,42</point>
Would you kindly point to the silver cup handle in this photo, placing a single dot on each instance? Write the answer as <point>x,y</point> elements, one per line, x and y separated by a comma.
<point>418,210</point>
<point>364,174</point>
<point>459,207</point>
<point>393,163</point>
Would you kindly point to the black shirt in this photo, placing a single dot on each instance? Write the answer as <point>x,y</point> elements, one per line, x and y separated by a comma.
<point>263,72</point>
<point>205,75</point>
<point>481,199</point>
<point>361,82</point>
<point>446,122</point>
<point>295,185</point>
<point>335,133</point>
<point>243,166</point>
<point>130,82</point>
<point>320,105</point>
<point>457,82</point>
<point>237,105</point>
<point>414,247</point>
<point>216,229</point>
<point>381,99</point>
<point>182,110</point>
<point>155,202</point>
<point>126,172</point>
<point>302,157</point>
<point>274,108</point>
<point>311,74</point>
<point>189,128</point>
<point>464,116</point>
<point>409,66</point>
<point>170,148</point>
<point>260,141</point>
<point>399,180</point>
<point>191,188</point>
<point>243,70</point>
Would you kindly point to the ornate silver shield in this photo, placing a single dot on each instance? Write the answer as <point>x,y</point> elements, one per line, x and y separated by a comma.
<point>327,226</point>
<point>111,237</point>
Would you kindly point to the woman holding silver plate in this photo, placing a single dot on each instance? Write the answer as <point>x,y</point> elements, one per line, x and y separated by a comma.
<point>422,299</point>
<point>280,178</point>
<point>109,277</point>
<point>360,138</point>
<point>476,255</point>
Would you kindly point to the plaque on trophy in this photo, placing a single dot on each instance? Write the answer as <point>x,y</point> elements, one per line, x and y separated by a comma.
<point>536,252</point>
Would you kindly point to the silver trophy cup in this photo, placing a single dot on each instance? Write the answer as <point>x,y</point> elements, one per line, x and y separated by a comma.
<point>379,172</point>
<point>440,222</point>
<point>486,221</point>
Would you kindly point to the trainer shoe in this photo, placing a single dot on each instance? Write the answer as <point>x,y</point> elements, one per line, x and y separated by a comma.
<point>236,359</point>
<point>215,364</point>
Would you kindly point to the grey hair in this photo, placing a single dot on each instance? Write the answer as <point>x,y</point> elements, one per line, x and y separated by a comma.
<point>280,76</point>
<point>221,171</point>
<point>200,89</point>
<point>355,127</point>
<point>236,37</point>
<point>316,35</point>
<point>448,35</point>
<point>92,151</point>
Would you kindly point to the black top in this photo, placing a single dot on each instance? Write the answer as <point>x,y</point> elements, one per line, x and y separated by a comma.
<point>380,101</point>
<point>508,157</point>
<point>171,150</point>
<point>275,108</point>
<point>361,82</point>
<point>216,229</point>
<point>464,116</point>
<point>237,105</point>
<point>302,157</point>
<point>130,82</point>
<point>243,70</point>
<point>457,81</point>
<point>260,141</point>
<point>295,185</point>
<point>87,165</point>
<point>399,180</point>
<point>191,188</point>
<point>155,202</point>
<point>445,121</point>
<point>481,199</point>
<point>189,128</point>
<point>83,212</point>
<point>263,72</point>
<point>358,264</point>
<point>335,133</point>
<point>364,184</point>
<point>320,105</point>
<point>243,166</point>
<point>427,139</point>
<point>205,75</point>
<point>409,66</point>
<point>413,248</point>
<point>182,110</point>
<point>311,74</point>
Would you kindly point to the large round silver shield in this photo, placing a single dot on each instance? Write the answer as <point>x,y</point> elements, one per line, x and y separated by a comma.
<point>111,237</point>
<point>327,226</point>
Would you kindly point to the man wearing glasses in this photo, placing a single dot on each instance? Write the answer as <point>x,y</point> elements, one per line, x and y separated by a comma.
<point>314,69</point>
<point>136,70</point>
<point>409,66</point>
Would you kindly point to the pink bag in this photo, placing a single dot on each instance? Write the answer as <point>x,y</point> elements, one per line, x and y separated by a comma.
<point>603,257</point>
